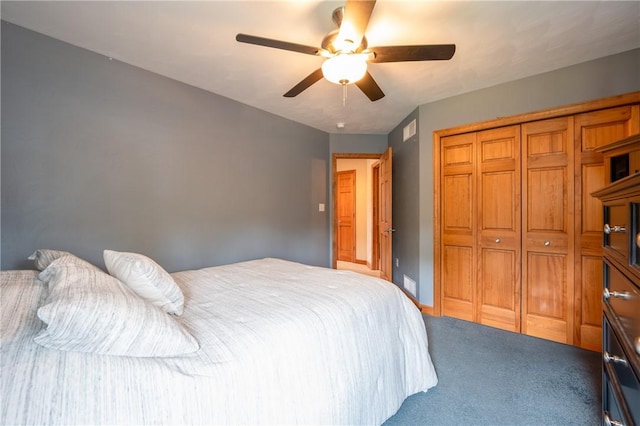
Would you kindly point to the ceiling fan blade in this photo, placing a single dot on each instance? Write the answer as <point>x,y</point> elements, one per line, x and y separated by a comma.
<point>277,44</point>
<point>369,87</point>
<point>428,52</point>
<point>304,84</point>
<point>355,20</point>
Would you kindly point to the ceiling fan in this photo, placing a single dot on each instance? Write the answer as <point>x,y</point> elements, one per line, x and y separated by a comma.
<point>347,51</point>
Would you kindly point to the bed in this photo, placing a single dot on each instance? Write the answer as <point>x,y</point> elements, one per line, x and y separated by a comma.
<point>265,341</point>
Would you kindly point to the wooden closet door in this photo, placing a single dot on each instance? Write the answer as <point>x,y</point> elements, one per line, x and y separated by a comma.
<point>458,224</point>
<point>592,130</point>
<point>547,223</point>
<point>498,183</point>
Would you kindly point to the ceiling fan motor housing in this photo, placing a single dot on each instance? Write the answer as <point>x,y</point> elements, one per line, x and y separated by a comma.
<point>328,44</point>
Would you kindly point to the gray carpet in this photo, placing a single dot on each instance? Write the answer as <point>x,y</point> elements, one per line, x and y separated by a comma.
<point>488,376</point>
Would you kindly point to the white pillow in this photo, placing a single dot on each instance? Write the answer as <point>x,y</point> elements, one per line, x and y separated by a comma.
<point>147,279</point>
<point>90,311</point>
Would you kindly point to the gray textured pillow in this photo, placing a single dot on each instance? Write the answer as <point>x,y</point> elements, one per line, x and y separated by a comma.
<point>148,279</point>
<point>90,311</point>
<point>43,258</point>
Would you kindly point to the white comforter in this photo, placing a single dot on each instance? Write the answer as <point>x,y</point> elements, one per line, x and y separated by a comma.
<point>281,343</point>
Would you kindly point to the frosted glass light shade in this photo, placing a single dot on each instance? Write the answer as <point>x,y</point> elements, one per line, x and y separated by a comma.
<point>345,68</point>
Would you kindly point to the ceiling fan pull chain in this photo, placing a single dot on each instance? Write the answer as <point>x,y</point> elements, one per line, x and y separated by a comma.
<point>344,95</point>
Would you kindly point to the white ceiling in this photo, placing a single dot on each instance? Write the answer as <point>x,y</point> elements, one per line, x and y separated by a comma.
<point>194,42</point>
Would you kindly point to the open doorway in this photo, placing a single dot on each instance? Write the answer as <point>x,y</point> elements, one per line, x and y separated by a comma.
<point>366,216</point>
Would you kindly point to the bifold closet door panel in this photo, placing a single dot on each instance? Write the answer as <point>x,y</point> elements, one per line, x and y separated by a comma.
<point>458,252</point>
<point>499,227</point>
<point>547,222</point>
<point>591,131</point>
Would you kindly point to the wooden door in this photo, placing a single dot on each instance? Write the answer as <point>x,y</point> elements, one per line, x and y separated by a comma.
<point>499,260</point>
<point>375,216</point>
<point>547,224</point>
<point>346,206</point>
<point>385,226</point>
<point>458,226</point>
<point>592,130</point>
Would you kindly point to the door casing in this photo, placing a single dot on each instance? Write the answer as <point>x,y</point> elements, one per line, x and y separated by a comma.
<point>334,240</point>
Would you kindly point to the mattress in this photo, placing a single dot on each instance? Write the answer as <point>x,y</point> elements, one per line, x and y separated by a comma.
<point>280,343</point>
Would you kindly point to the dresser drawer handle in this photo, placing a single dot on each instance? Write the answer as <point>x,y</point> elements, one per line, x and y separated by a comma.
<point>617,228</point>
<point>614,359</point>
<point>615,294</point>
<point>608,421</point>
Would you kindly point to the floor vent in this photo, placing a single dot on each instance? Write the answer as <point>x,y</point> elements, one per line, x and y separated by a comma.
<point>410,285</point>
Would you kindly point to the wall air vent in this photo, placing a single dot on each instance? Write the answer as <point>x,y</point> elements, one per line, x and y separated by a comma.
<point>409,130</point>
<point>409,285</point>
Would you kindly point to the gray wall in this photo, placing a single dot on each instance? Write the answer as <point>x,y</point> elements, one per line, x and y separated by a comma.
<point>609,76</point>
<point>340,143</point>
<point>406,202</point>
<point>99,154</point>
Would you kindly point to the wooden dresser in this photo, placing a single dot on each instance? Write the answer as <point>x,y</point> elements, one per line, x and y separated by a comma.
<point>621,285</point>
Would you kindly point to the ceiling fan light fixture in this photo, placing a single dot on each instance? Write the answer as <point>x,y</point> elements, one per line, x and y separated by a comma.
<point>345,68</point>
<point>347,52</point>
